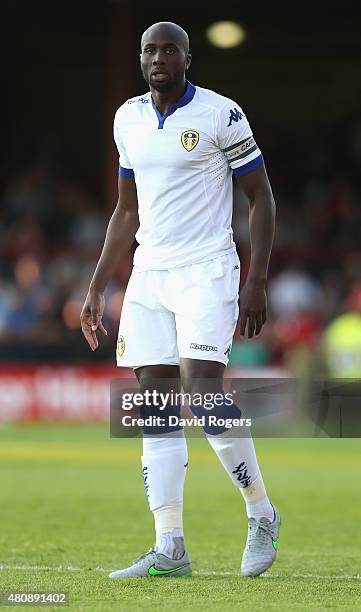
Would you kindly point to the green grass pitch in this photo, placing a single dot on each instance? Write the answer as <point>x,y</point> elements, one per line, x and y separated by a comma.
<point>72,507</point>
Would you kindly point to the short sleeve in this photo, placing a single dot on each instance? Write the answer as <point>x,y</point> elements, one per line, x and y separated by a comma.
<point>125,168</point>
<point>235,139</point>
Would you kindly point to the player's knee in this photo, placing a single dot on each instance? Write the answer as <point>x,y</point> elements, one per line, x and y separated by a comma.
<point>159,411</point>
<point>216,417</point>
<point>159,419</point>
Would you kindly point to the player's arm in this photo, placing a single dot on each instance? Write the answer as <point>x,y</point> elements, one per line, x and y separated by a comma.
<point>252,299</point>
<point>120,235</point>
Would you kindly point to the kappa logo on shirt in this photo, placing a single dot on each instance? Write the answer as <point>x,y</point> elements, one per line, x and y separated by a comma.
<point>142,100</point>
<point>189,139</point>
<point>235,114</point>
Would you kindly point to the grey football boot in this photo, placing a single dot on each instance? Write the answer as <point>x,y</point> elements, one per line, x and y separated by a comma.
<point>262,544</point>
<point>153,563</point>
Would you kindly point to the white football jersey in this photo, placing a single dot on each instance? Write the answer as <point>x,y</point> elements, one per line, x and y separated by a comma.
<point>182,163</point>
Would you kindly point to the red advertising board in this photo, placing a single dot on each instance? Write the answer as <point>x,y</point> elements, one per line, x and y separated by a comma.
<point>56,392</point>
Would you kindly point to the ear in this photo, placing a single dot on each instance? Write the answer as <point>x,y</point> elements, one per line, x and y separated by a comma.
<point>188,61</point>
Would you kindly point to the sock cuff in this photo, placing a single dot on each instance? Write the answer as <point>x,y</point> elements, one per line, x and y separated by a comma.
<point>159,445</point>
<point>168,518</point>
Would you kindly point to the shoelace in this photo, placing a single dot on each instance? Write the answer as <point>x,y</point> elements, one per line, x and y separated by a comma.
<point>144,555</point>
<point>258,536</point>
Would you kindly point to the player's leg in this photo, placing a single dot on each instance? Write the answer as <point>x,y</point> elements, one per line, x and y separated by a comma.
<point>164,466</point>
<point>147,338</point>
<point>164,460</point>
<point>206,323</point>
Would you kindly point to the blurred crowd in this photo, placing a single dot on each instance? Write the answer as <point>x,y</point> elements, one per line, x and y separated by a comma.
<point>51,232</point>
<point>52,229</point>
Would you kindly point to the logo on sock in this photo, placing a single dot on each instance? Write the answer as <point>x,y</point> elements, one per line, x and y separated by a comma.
<point>242,474</point>
<point>145,480</point>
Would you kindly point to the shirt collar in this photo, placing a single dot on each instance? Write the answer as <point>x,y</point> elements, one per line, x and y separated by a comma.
<point>187,96</point>
<point>185,99</point>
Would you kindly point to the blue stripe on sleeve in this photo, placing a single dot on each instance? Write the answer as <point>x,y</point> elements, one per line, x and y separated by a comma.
<point>252,165</point>
<point>127,172</point>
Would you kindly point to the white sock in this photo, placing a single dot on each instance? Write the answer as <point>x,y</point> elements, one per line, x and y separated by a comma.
<point>257,503</point>
<point>165,461</point>
<point>238,456</point>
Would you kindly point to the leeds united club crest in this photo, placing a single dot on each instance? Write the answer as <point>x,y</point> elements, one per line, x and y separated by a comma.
<point>120,346</point>
<point>189,139</point>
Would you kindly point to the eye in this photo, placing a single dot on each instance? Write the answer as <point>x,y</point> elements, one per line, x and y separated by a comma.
<point>170,51</point>
<point>148,50</point>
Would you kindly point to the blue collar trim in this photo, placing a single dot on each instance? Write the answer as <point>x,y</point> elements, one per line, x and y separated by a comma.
<point>185,99</point>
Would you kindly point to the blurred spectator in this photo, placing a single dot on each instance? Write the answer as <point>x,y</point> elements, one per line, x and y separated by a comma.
<point>88,225</point>
<point>26,304</point>
<point>341,342</point>
<point>293,291</point>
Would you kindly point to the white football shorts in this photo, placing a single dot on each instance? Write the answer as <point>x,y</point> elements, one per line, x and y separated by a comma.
<point>190,312</point>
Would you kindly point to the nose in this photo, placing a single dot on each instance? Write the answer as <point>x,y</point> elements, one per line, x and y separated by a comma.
<point>158,58</point>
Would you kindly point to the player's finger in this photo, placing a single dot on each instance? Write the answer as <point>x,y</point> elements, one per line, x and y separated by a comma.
<point>94,316</point>
<point>102,328</point>
<point>251,324</point>
<point>243,323</point>
<point>89,337</point>
<point>259,323</point>
<point>264,316</point>
<point>95,339</point>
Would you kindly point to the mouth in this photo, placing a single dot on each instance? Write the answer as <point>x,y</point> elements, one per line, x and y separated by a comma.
<point>159,75</point>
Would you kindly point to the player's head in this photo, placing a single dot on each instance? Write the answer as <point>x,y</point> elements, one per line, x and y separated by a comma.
<point>164,55</point>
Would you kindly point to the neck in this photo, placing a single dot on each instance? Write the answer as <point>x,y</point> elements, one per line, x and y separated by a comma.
<point>164,99</point>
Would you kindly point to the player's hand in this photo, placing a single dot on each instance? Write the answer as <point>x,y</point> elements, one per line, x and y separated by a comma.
<point>252,307</point>
<point>91,318</point>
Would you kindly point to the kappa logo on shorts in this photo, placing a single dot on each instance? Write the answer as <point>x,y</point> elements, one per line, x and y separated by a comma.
<point>120,346</point>
<point>203,347</point>
<point>228,351</point>
<point>189,139</point>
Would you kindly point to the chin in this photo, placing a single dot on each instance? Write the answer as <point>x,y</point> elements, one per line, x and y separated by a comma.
<point>162,86</point>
